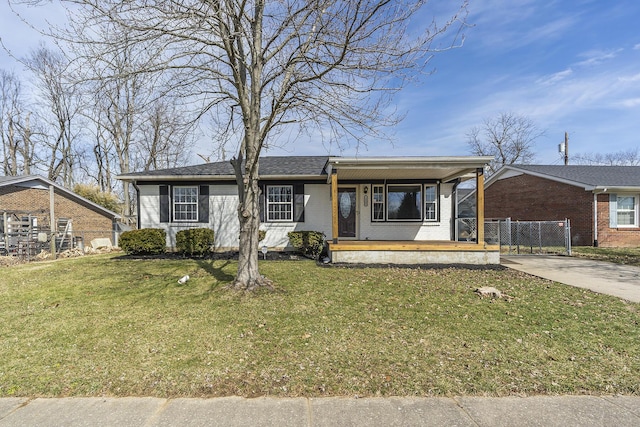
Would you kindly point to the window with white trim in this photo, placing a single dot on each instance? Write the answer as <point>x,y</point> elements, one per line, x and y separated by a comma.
<point>377,203</point>
<point>404,202</point>
<point>430,202</point>
<point>627,211</point>
<point>185,204</point>
<point>279,203</point>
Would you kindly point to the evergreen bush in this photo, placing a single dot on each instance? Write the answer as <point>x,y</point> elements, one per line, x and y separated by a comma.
<point>146,241</point>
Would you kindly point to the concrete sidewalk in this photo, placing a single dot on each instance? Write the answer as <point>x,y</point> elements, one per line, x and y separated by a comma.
<point>618,280</point>
<point>619,411</point>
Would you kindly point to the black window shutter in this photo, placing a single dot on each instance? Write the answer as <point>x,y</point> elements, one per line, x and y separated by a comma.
<point>203,204</point>
<point>298,202</point>
<point>165,206</point>
<point>262,202</point>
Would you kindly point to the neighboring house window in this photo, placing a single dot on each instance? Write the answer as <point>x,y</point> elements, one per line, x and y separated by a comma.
<point>404,202</point>
<point>377,204</point>
<point>185,204</point>
<point>279,203</point>
<point>627,211</point>
<point>431,202</point>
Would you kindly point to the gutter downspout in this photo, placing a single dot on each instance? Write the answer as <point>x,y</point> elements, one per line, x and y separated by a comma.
<point>135,186</point>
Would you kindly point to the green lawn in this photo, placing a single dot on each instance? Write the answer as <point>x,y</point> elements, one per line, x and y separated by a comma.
<point>630,256</point>
<point>110,326</point>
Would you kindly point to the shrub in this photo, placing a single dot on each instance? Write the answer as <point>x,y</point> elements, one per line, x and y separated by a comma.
<point>194,241</point>
<point>147,241</point>
<point>309,243</point>
<point>261,235</point>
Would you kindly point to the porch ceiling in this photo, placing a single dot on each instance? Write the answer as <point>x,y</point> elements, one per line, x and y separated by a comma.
<point>439,168</point>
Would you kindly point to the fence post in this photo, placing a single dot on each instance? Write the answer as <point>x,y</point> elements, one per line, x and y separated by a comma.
<point>567,235</point>
<point>540,236</point>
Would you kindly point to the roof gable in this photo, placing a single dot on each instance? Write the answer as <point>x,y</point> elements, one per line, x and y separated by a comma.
<point>36,181</point>
<point>591,178</point>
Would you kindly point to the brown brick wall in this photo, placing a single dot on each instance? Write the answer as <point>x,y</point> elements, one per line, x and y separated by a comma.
<point>86,221</point>
<point>614,237</point>
<point>529,198</point>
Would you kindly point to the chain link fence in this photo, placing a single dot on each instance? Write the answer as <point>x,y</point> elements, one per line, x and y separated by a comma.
<point>517,237</point>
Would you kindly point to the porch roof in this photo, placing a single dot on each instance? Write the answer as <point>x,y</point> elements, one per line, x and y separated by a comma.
<point>437,167</point>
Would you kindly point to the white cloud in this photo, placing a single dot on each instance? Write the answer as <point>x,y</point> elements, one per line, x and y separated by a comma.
<point>555,78</point>
<point>597,57</point>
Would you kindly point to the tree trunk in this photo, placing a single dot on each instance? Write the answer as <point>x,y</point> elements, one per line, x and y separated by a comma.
<point>248,277</point>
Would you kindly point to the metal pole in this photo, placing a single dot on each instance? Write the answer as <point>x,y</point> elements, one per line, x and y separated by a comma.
<point>52,222</point>
<point>567,231</point>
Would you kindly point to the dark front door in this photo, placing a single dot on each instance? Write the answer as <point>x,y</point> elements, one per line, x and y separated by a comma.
<point>346,212</point>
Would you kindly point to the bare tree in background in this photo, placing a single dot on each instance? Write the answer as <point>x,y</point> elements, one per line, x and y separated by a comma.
<point>630,157</point>
<point>330,67</point>
<point>166,137</point>
<point>16,132</point>
<point>509,138</point>
<point>60,105</point>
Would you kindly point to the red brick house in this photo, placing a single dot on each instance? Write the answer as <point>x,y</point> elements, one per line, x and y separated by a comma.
<point>602,202</point>
<point>26,202</point>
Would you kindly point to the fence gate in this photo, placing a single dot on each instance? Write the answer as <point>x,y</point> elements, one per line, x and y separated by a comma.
<point>531,237</point>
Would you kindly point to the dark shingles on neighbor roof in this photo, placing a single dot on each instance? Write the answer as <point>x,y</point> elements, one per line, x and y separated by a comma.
<point>269,166</point>
<point>621,176</point>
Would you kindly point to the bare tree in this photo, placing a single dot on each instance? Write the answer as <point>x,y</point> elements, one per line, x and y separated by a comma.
<point>509,137</point>
<point>16,134</point>
<point>165,137</point>
<point>327,66</point>
<point>630,157</point>
<point>60,103</point>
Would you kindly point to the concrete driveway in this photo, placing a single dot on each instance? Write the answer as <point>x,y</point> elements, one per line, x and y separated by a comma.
<point>621,281</point>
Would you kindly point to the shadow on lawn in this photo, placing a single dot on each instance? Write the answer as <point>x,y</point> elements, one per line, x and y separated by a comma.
<point>217,271</point>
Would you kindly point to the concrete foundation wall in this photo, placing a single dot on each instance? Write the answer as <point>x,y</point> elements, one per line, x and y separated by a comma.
<point>416,257</point>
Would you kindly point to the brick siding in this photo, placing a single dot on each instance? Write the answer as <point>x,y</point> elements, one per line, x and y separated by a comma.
<point>530,198</point>
<point>86,221</point>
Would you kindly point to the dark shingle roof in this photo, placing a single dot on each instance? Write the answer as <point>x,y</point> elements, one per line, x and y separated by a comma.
<point>612,176</point>
<point>269,166</point>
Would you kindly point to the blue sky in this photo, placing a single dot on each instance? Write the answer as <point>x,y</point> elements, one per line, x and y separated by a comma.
<point>568,65</point>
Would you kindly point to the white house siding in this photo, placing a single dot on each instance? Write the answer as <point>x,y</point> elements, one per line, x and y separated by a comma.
<point>440,230</point>
<point>317,217</point>
<point>223,201</point>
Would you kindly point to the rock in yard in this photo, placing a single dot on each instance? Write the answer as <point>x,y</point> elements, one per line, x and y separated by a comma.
<point>489,291</point>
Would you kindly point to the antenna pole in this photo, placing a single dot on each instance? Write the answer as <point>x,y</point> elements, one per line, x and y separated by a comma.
<point>566,148</point>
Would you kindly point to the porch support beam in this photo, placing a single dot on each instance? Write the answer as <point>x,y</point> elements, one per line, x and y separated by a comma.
<point>480,206</point>
<point>334,206</point>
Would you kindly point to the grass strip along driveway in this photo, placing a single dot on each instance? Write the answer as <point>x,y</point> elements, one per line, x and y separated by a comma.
<point>112,326</point>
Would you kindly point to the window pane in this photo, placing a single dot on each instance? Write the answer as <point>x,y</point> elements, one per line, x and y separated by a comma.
<point>430,194</point>
<point>626,203</point>
<point>625,218</point>
<point>280,203</point>
<point>378,203</point>
<point>626,210</point>
<point>404,202</point>
<point>185,203</point>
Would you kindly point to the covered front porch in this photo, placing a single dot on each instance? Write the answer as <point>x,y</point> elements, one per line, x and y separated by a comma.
<point>371,223</point>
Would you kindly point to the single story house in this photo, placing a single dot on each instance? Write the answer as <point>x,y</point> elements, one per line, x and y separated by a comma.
<point>602,202</point>
<point>372,210</point>
<point>30,204</point>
